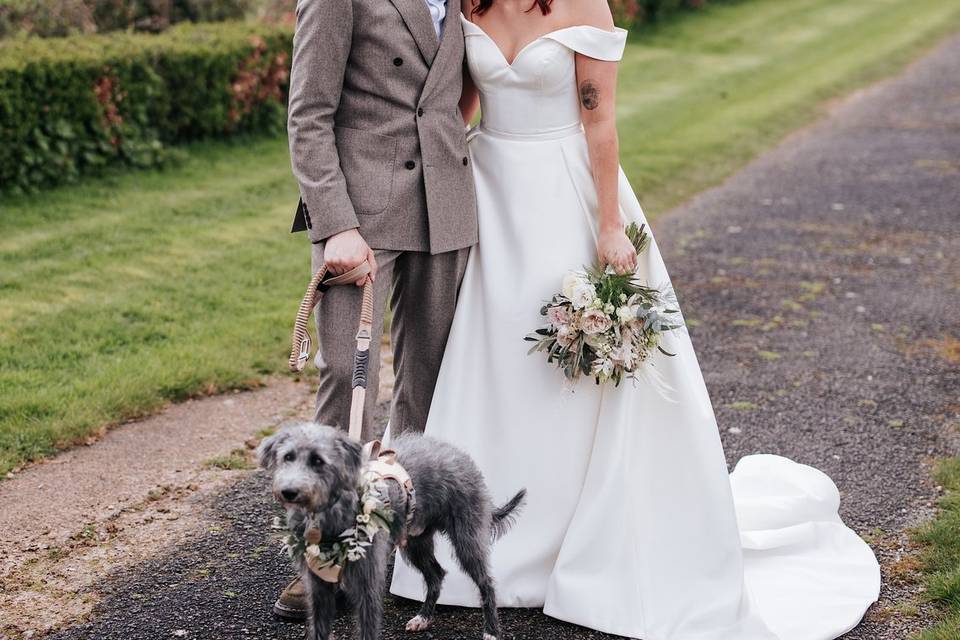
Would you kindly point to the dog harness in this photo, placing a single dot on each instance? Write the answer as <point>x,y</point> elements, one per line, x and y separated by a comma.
<point>384,463</point>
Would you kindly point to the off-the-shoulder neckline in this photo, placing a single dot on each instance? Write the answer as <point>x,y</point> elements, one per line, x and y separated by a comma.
<point>616,31</point>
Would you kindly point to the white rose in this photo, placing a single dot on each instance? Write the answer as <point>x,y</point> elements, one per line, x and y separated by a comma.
<point>313,550</point>
<point>570,282</point>
<point>370,506</point>
<point>625,314</point>
<point>583,295</point>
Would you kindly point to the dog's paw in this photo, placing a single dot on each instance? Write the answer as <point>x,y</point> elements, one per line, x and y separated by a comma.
<point>488,636</point>
<point>418,623</point>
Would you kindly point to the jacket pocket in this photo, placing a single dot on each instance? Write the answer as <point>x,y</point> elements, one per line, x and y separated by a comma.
<point>368,161</point>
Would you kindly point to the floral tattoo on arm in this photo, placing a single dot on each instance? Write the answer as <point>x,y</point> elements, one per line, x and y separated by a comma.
<point>589,95</point>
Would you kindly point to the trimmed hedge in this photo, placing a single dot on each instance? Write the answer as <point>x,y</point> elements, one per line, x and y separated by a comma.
<point>57,18</point>
<point>626,13</point>
<point>69,106</point>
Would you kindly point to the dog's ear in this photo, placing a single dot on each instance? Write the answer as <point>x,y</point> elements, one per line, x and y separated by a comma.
<point>352,454</point>
<point>267,451</point>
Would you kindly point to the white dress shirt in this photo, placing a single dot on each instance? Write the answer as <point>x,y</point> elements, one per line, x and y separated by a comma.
<point>438,10</point>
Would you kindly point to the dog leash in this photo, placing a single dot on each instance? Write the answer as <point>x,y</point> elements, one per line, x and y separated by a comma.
<point>381,462</point>
<point>301,347</point>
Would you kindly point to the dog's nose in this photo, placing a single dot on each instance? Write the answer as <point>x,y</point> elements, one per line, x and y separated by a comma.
<point>290,494</point>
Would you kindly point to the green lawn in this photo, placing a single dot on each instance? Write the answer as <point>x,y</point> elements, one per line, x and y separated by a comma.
<point>123,293</point>
<point>704,94</point>
<point>941,555</point>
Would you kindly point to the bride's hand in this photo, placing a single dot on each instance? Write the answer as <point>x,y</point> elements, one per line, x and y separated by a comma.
<point>616,250</point>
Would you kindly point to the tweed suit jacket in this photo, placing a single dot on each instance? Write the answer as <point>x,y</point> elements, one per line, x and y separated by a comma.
<point>376,136</point>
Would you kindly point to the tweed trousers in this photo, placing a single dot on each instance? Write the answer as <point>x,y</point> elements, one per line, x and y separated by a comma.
<point>422,289</point>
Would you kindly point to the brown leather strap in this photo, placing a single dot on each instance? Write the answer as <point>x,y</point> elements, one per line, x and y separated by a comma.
<point>300,349</point>
<point>384,463</point>
<point>329,574</point>
<point>350,277</point>
<point>387,466</point>
<point>370,450</point>
<point>301,344</point>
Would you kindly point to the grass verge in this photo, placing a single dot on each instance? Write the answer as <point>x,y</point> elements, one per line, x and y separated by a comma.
<point>237,460</point>
<point>703,93</point>
<point>123,293</point>
<point>941,554</point>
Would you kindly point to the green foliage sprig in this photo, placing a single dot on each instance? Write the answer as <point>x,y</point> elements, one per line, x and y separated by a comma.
<point>374,515</point>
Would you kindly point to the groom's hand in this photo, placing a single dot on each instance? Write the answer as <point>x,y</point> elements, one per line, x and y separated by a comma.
<point>347,250</point>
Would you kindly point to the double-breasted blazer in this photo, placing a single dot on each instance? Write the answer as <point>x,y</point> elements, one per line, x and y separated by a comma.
<point>376,135</point>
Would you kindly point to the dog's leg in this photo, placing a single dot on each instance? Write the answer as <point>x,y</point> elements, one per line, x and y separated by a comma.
<point>472,547</point>
<point>367,584</point>
<point>321,606</point>
<point>419,553</point>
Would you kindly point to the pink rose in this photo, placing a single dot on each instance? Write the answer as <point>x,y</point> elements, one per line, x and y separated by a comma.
<point>595,321</point>
<point>558,316</point>
<point>566,336</point>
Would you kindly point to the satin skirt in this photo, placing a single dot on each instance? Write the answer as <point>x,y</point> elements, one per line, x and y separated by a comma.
<point>633,525</point>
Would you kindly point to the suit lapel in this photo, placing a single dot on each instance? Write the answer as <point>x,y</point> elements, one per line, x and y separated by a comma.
<point>451,31</point>
<point>416,16</point>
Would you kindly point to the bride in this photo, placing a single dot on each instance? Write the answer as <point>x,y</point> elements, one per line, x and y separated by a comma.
<point>633,526</point>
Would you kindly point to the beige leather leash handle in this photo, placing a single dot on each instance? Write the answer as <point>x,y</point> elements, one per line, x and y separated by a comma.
<point>301,345</point>
<point>361,362</point>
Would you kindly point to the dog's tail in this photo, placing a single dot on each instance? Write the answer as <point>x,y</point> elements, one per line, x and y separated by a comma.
<point>504,517</point>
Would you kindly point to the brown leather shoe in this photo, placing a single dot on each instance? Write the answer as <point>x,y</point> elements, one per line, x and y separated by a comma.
<point>292,603</point>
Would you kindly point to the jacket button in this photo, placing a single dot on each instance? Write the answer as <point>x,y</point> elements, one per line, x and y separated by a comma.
<point>397,62</point>
<point>464,160</point>
<point>410,164</point>
<point>420,112</point>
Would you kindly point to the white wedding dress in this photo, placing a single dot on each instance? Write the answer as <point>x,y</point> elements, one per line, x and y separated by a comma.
<point>633,525</point>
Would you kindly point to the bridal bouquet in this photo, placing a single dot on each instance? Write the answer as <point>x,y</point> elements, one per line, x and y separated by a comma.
<point>606,325</point>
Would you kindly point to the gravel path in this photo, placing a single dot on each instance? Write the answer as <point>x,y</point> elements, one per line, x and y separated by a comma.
<point>822,284</point>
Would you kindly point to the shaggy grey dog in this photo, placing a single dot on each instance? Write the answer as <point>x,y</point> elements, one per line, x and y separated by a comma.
<point>316,471</point>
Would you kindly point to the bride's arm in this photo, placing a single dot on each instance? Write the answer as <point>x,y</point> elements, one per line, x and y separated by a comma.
<point>469,97</point>
<point>597,85</point>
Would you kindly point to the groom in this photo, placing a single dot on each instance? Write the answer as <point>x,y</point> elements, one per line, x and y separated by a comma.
<point>378,148</point>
